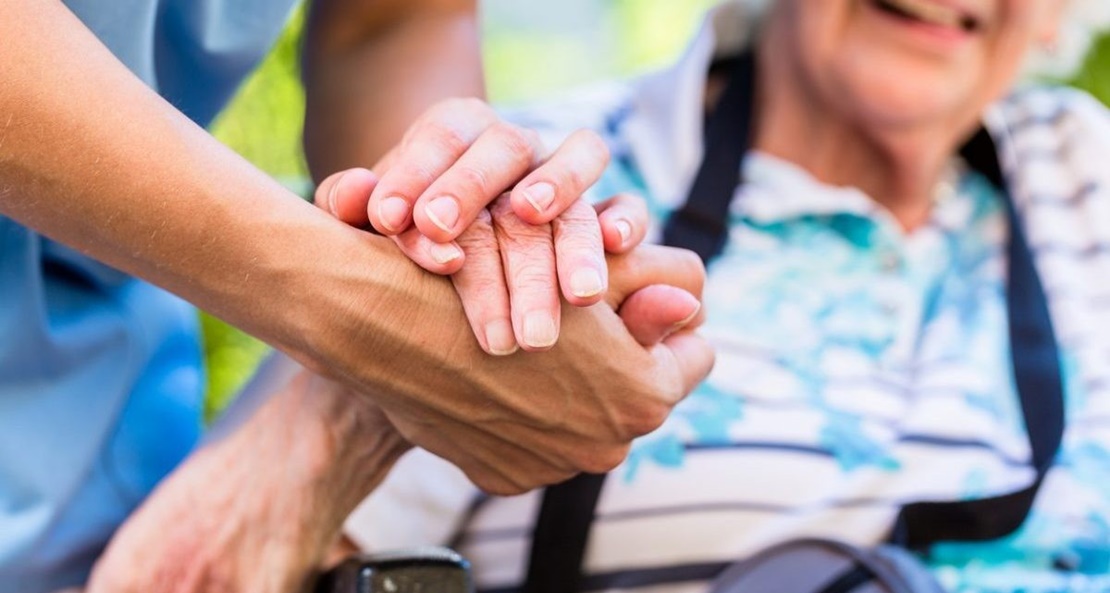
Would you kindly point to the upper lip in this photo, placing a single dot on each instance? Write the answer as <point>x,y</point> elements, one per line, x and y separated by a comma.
<point>975,15</point>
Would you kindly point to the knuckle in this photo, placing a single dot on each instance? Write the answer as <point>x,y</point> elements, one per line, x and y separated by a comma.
<point>593,143</point>
<point>535,143</point>
<point>545,476</point>
<point>533,240</point>
<point>479,236</point>
<point>579,215</point>
<point>419,174</point>
<point>447,138</point>
<point>604,459</point>
<point>501,208</point>
<point>492,485</point>
<point>483,220</point>
<point>506,488</point>
<point>632,204</point>
<point>465,113</point>
<point>438,134</point>
<point>450,106</point>
<point>483,258</point>
<point>691,261</point>
<point>574,245</point>
<point>574,180</point>
<point>561,475</point>
<point>573,252</point>
<point>483,263</point>
<point>591,147</point>
<point>532,277</point>
<point>586,155</point>
<point>646,416</point>
<point>516,143</point>
<point>518,481</point>
<point>529,254</point>
<point>469,179</point>
<point>469,105</point>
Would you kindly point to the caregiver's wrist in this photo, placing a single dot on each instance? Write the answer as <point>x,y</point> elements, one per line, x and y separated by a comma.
<point>357,303</point>
<point>313,282</point>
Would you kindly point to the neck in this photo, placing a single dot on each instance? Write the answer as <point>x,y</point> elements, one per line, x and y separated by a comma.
<point>898,168</point>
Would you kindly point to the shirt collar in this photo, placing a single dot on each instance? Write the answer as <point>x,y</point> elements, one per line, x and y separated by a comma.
<point>777,190</point>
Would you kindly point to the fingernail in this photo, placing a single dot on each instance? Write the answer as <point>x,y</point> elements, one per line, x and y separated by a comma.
<point>499,338</point>
<point>444,253</point>
<point>540,195</point>
<point>624,229</point>
<point>392,213</point>
<point>688,319</point>
<point>539,330</point>
<point>331,195</point>
<point>585,283</point>
<point>443,212</point>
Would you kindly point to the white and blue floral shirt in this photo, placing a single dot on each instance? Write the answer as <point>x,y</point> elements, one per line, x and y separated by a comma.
<point>859,368</point>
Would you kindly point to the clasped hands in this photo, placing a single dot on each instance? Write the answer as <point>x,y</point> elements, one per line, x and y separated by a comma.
<point>514,236</point>
<point>470,196</point>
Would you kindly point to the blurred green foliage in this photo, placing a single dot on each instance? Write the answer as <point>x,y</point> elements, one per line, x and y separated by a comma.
<point>523,61</point>
<point>263,123</point>
<point>527,60</point>
<point>1094,76</point>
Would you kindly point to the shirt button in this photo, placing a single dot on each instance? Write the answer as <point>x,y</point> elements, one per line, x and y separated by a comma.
<point>889,262</point>
<point>1067,562</point>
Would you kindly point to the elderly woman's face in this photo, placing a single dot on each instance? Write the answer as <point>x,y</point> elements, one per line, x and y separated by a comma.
<point>901,62</point>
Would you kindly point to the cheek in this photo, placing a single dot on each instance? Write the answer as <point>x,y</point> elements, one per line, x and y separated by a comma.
<point>1035,21</point>
<point>1007,49</point>
<point>1022,25</point>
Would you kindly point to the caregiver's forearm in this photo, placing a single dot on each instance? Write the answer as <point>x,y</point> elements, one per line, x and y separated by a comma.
<point>91,157</point>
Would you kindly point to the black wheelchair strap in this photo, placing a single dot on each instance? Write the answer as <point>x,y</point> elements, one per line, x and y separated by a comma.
<point>701,225</point>
<point>1035,361</point>
<point>561,533</point>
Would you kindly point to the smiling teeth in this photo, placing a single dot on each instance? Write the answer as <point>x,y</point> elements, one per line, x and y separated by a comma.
<point>929,12</point>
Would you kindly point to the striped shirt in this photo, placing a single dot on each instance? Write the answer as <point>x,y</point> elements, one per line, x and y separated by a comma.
<point>859,367</point>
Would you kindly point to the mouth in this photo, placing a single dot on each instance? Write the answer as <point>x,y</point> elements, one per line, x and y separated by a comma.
<point>930,13</point>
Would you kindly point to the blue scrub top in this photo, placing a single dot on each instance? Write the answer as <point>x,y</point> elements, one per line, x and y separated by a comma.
<point>101,382</point>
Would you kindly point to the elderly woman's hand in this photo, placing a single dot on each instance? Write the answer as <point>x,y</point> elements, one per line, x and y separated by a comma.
<point>258,510</point>
<point>461,154</point>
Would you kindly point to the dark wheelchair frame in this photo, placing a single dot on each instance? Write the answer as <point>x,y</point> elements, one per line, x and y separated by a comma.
<point>420,570</point>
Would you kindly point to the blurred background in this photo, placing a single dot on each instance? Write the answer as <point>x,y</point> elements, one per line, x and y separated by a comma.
<point>576,42</point>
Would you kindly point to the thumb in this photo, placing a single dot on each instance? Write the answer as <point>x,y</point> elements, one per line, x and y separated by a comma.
<point>653,264</point>
<point>655,312</point>
<point>685,361</point>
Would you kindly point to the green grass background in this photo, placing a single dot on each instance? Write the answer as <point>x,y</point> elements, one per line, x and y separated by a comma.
<point>607,38</point>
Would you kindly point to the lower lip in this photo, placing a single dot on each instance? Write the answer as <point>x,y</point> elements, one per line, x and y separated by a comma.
<point>936,36</point>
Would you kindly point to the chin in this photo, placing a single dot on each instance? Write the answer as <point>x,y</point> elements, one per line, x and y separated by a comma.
<point>884,97</point>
